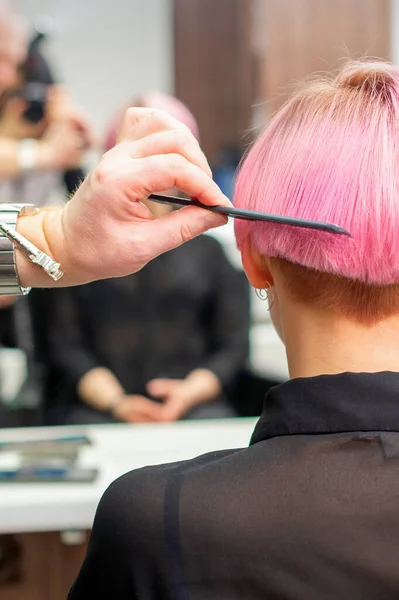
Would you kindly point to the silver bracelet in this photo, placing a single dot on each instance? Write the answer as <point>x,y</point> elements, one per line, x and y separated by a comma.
<point>10,241</point>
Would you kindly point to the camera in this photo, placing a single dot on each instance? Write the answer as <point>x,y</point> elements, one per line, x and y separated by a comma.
<point>35,94</point>
<point>37,78</point>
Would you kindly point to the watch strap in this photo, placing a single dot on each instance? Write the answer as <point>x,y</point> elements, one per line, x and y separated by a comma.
<point>9,282</point>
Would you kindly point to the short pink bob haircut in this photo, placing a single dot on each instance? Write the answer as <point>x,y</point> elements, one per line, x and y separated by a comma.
<point>332,154</point>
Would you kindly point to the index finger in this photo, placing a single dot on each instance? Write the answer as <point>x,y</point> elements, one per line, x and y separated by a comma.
<point>139,123</point>
<point>158,173</point>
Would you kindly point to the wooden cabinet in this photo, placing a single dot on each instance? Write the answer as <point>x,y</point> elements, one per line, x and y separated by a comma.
<point>48,568</point>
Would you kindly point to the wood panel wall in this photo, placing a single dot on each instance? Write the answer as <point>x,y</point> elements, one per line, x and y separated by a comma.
<point>214,68</point>
<point>231,54</point>
<point>306,36</point>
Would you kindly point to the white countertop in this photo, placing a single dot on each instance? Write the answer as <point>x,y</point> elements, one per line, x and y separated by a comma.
<point>116,450</point>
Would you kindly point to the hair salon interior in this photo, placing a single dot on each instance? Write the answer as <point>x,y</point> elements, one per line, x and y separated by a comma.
<point>68,356</point>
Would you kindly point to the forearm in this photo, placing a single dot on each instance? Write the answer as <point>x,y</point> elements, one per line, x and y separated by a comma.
<point>100,389</point>
<point>10,164</point>
<point>204,384</point>
<point>44,229</point>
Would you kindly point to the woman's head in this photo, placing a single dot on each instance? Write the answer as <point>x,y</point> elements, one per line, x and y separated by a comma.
<point>13,44</point>
<point>331,154</point>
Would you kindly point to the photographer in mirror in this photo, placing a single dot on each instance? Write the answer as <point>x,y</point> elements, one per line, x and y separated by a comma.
<point>40,132</point>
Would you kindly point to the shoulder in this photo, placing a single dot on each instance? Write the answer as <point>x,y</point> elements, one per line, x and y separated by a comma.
<point>143,485</point>
<point>134,504</point>
<point>135,528</point>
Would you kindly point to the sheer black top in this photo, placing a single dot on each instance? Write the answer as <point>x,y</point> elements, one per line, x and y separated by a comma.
<point>310,511</point>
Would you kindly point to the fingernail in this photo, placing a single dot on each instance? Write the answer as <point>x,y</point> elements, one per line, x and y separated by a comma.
<point>214,220</point>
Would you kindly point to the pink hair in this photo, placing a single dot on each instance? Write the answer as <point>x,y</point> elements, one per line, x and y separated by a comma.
<point>331,154</point>
<point>159,101</point>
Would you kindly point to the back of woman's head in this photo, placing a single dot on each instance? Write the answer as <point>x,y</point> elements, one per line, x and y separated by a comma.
<point>332,154</point>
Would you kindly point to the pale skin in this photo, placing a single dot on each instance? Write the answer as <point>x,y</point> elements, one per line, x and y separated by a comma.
<point>320,341</point>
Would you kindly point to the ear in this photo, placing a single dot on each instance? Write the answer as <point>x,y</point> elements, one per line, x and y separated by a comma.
<point>256,267</point>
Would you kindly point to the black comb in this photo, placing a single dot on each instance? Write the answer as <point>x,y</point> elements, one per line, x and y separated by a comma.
<point>249,215</point>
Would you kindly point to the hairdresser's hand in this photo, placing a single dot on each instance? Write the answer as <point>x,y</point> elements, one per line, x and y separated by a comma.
<point>137,409</point>
<point>180,396</point>
<point>105,230</point>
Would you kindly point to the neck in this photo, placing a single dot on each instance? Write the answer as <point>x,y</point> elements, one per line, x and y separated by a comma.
<point>320,342</point>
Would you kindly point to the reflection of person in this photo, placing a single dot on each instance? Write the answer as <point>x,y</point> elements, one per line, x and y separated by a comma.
<point>60,144</point>
<point>310,509</point>
<point>182,321</point>
<point>62,130</point>
<point>92,237</point>
<point>57,126</point>
<point>176,332</point>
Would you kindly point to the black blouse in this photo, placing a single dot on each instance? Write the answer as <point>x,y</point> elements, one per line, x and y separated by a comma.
<point>187,309</point>
<point>310,511</point>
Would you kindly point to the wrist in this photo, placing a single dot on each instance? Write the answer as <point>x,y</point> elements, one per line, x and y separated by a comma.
<point>44,229</point>
<point>114,404</point>
<point>204,385</point>
<point>99,388</point>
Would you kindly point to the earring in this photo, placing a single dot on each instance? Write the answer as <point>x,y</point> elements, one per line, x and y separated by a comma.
<point>266,294</point>
<point>261,294</point>
<point>270,298</point>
